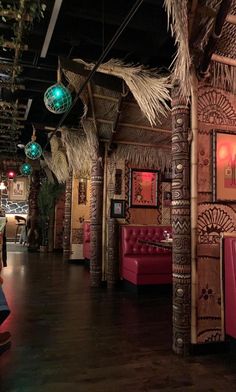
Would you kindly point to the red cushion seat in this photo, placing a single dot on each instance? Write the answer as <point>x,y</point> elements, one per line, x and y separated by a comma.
<point>141,263</point>
<point>86,240</point>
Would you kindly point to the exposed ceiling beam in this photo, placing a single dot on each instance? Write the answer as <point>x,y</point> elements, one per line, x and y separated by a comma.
<point>223,59</point>
<point>92,106</point>
<point>131,125</point>
<point>51,26</point>
<point>107,81</point>
<point>159,146</point>
<point>29,103</point>
<point>231,19</point>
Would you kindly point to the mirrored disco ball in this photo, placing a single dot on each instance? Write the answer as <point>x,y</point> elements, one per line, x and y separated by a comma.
<point>57,98</point>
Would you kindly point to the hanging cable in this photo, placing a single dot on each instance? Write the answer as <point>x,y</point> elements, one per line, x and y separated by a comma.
<point>98,63</point>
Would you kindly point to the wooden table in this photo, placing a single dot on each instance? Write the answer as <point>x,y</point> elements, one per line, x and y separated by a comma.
<point>167,244</point>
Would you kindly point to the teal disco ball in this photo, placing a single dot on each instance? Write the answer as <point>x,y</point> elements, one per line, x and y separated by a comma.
<point>33,150</point>
<point>26,169</point>
<point>57,98</point>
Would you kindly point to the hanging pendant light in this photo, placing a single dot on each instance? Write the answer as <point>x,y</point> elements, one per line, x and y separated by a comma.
<point>26,169</point>
<point>33,150</point>
<point>57,98</point>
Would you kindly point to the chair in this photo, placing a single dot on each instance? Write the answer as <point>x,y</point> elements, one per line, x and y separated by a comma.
<point>20,225</point>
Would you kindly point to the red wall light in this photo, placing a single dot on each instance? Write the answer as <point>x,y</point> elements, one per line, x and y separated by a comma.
<point>11,174</point>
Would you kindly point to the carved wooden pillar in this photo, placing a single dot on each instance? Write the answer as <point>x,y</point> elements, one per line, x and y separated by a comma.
<point>67,218</point>
<point>113,259</point>
<point>96,210</point>
<point>181,225</point>
<point>33,216</point>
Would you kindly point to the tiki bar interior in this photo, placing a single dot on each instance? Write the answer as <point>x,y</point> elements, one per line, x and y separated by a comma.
<point>118,195</point>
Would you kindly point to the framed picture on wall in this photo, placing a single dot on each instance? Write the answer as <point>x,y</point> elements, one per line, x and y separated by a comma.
<point>143,188</point>
<point>167,197</point>
<point>224,166</point>
<point>117,208</point>
<point>18,189</point>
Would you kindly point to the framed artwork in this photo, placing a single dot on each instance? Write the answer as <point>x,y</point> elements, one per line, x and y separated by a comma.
<point>18,189</point>
<point>224,166</point>
<point>82,191</point>
<point>143,188</point>
<point>117,208</point>
<point>167,197</point>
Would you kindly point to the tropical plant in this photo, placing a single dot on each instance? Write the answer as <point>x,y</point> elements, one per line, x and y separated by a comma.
<point>48,195</point>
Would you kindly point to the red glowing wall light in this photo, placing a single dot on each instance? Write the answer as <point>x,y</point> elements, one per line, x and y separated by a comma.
<point>11,174</point>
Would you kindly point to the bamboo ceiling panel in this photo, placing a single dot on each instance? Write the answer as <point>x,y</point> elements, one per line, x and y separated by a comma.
<point>142,136</point>
<point>104,130</point>
<point>105,109</point>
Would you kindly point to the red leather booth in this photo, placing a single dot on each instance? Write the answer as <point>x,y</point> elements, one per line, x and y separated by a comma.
<point>142,264</point>
<point>86,240</point>
<point>230,285</point>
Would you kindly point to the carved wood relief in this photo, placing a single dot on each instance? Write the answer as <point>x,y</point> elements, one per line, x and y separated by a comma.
<point>216,109</point>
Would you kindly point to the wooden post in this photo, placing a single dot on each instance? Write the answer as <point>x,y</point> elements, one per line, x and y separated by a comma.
<point>33,232</point>
<point>113,260</point>
<point>67,218</point>
<point>181,225</point>
<point>194,204</point>
<point>96,215</point>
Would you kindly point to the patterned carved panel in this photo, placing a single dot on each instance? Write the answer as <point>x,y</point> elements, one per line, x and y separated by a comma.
<point>213,220</point>
<point>215,108</point>
<point>118,182</point>
<point>204,161</point>
<point>77,236</point>
<point>209,300</point>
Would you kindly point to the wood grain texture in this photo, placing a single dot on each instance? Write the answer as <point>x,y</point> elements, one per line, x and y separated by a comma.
<point>67,337</point>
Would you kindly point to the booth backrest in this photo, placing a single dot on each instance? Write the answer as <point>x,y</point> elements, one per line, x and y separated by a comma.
<point>86,240</point>
<point>130,236</point>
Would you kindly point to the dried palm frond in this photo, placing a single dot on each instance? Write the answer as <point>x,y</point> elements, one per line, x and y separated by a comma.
<point>143,156</point>
<point>223,76</point>
<point>76,80</point>
<point>149,88</point>
<point>57,163</point>
<point>77,151</point>
<point>92,137</point>
<point>177,11</point>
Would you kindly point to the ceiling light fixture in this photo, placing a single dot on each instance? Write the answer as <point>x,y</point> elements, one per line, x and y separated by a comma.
<point>26,169</point>
<point>57,98</point>
<point>51,26</point>
<point>33,150</point>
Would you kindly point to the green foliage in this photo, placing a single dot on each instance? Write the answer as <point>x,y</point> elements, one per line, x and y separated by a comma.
<point>48,195</point>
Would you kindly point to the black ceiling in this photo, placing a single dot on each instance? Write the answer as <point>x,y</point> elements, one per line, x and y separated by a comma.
<point>83,29</point>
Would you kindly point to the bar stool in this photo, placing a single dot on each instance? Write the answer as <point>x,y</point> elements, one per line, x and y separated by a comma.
<point>20,225</point>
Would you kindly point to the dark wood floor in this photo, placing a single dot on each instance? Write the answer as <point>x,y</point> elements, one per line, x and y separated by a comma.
<point>68,337</point>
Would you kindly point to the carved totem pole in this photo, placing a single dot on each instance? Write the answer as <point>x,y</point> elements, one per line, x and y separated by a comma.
<point>33,223</point>
<point>96,211</point>
<point>67,218</point>
<point>181,225</point>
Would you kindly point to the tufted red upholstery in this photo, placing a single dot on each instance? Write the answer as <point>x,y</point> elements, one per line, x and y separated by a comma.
<point>143,264</point>
<point>86,240</point>
<point>230,285</point>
